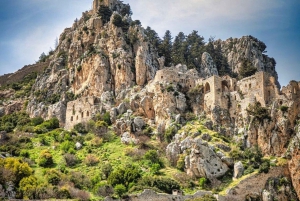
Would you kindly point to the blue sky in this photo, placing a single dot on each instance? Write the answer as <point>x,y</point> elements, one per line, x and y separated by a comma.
<point>29,27</point>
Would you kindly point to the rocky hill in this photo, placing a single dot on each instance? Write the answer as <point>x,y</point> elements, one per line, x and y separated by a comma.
<point>144,112</point>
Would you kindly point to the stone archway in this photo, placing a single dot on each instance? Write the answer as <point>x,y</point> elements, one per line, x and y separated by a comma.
<point>225,86</point>
<point>206,88</point>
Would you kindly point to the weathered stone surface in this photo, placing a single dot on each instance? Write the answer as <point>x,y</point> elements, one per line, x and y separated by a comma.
<point>78,145</point>
<point>208,67</point>
<point>238,170</point>
<point>139,122</point>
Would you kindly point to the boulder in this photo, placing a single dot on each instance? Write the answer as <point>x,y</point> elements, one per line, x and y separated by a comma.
<point>139,123</point>
<point>238,170</point>
<point>122,108</point>
<point>78,145</point>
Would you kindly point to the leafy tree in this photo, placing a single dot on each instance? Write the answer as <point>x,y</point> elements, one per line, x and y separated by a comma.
<point>53,177</point>
<point>28,186</point>
<point>105,13</point>
<point>13,169</point>
<point>42,57</point>
<point>179,49</point>
<point>165,48</point>
<point>117,20</point>
<point>45,159</point>
<point>153,37</point>
<point>195,49</point>
<point>247,69</point>
<point>124,175</point>
<point>126,10</point>
<point>258,112</point>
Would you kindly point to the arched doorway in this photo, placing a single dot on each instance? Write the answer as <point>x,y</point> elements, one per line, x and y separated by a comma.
<point>206,88</point>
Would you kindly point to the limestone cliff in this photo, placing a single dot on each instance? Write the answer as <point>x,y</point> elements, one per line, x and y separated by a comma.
<point>250,48</point>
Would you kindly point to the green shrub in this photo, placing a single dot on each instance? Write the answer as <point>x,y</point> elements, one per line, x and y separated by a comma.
<point>67,146</point>
<point>164,184</point>
<point>106,169</point>
<point>53,177</point>
<point>181,163</point>
<point>28,187</point>
<point>105,13</point>
<point>202,182</point>
<point>258,112</point>
<point>24,153</point>
<point>170,88</point>
<point>80,128</point>
<point>91,160</point>
<point>264,167</point>
<point>120,190</point>
<point>124,175</point>
<point>284,108</point>
<point>170,133</point>
<point>45,159</point>
<point>36,121</point>
<point>117,21</point>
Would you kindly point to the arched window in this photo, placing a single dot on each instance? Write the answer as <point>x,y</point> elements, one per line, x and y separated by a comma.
<point>81,114</point>
<point>249,86</point>
<point>71,118</point>
<point>224,86</point>
<point>207,88</point>
<point>87,114</point>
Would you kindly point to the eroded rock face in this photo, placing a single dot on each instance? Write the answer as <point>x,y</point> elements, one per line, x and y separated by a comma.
<point>294,162</point>
<point>250,48</point>
<point>238,170</point>
<point>202,160</point>
<point>208,67</point>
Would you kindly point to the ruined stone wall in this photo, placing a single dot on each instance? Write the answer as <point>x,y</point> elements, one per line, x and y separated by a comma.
<point>176,76</point>
<point>81,110</point>
<point>20,74</point>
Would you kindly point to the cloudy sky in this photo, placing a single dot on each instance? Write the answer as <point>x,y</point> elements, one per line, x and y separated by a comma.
<point>30,27</point>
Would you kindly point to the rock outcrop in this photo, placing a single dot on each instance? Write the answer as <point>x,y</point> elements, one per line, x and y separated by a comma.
<point>208,67</point>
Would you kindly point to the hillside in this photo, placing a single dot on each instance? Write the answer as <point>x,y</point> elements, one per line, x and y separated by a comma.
<point>115,110</point>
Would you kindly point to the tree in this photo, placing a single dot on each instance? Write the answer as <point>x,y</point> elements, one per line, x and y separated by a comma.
<point>120,189</point>
<point>165,48</point>
<point>42,57</point>
<point>124,175</point>
<point>179,49</point>
<point>195,48</point>
<point>45,159</point>
<point>247,69</point>
<point>153,37</point>
<point>105,13</point>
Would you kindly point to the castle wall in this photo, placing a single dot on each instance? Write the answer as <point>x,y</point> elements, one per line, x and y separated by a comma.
<point>172,75</point>
<point>81,110</point>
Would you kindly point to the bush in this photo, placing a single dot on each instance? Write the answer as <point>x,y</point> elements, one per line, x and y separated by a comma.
<point>181,163</point>
<point>91,160</point>
<point>80,128</point>
<point>45,159</point>
<point>53,177</point>
<point>24,153</point>
<point>117,21</point>
<point>28,187</point>
<point>264,167</point>
<point>105,13</point>
<point>70,159</point>
<point>202,182</point>
<point>164,184</point>
<point>106,169</point>
<point>124,175</point>
<point>170,133</point>
<point>284,108</point>
<point>260,113</point>
<point>67,146</point>
<point>120,190</point>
